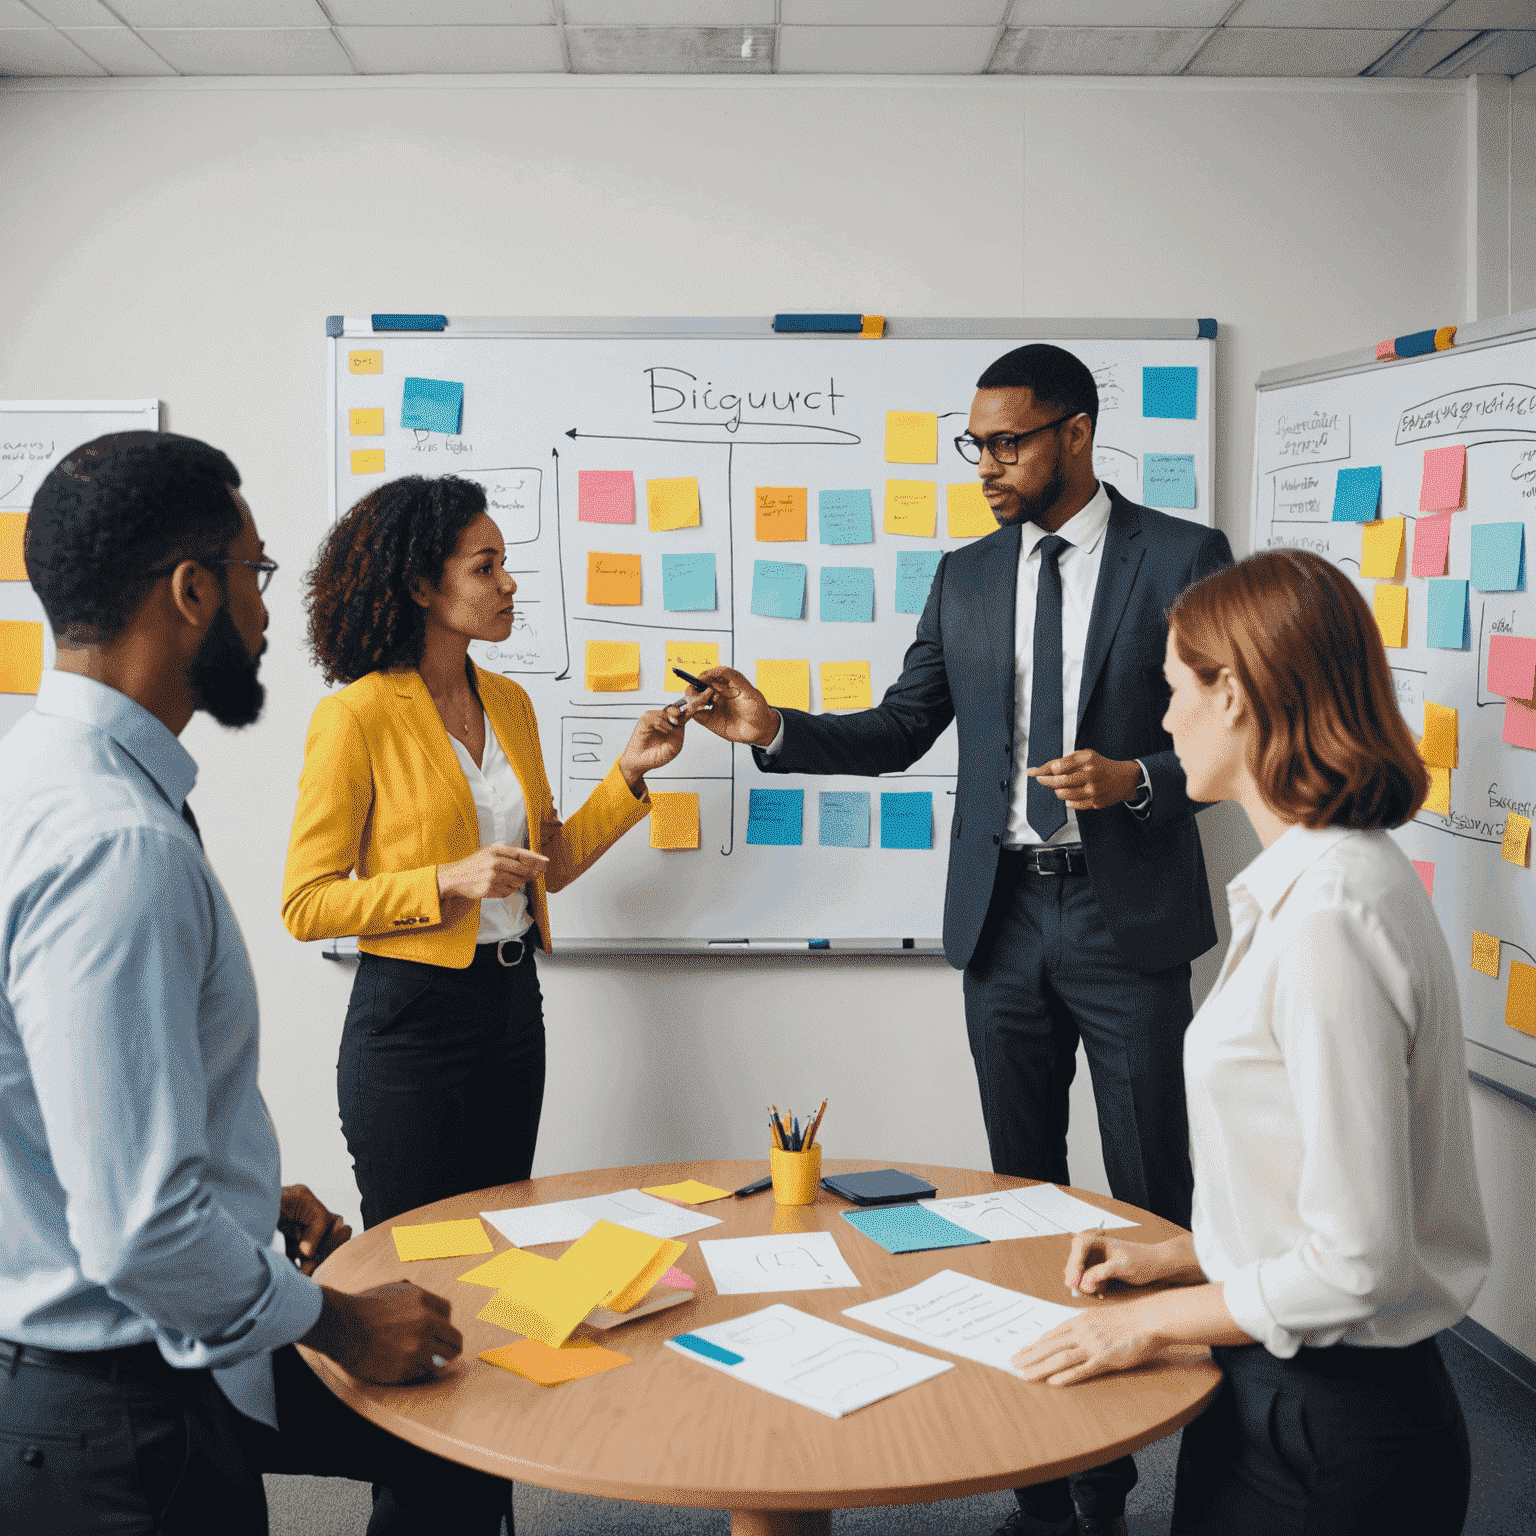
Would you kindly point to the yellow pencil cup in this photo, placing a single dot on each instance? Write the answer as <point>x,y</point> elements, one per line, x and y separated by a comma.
<point>795,1175</point>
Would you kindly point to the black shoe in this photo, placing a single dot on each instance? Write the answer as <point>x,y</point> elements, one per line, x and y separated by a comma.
<point>1020,1524</point>
<point>1100,1525</point>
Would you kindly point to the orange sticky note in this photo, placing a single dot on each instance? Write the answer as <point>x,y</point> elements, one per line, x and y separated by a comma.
<point>441,1239</point>
<point>497,1272</point>
<point>912,507</point>
<point>1444,485</point>
<point>367,461</point>
<point>911,437</point>
<point>1520,1000</point>
<point>613,666</point>
<point>1517,840</point>
<point>1391,605</point>
<point>1485,954</point>
<point>365,362</point>
<point>845,685</point>
<point>785,684</point>
<point>550,1367</point>
<point>613,580</point>
<point>780,514</point>
<point>674,821</point>
<point>13,530</point>
<point>21,656</point>
<point>970,515</point>
<point>368,423</point>
<point>1439,797</point>
<point>672,503</point>
<point>692,656</point>
<point>1381,547</point>
<point>1438,745</point>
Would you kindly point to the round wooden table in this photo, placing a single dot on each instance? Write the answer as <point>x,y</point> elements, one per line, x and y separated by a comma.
<point>668,1430</point>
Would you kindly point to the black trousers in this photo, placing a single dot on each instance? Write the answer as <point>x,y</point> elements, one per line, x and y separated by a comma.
<point>1045,975</point>
<point>1333,1442</point>
<point>440,1078</point>
<point>135,1448</point>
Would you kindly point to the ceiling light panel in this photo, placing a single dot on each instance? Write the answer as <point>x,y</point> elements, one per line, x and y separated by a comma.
<point>249,50</point>
<point>182,16</point>
<point>884,50</point>
<point>1315,52</point>
<point>893,13</point>
<point>454,50</point>
<point>1504,53</point>
<point>668,13</point>
<point>118,50</point>
<point>1343,14</point>
<point>670,50</point>
<point>441,13</point>
<point>42,51</point>
<point>1096,50</point>
<point>1419,52</point>
<point>1118,13</point>
<point>1482,15</point>
<point>73,13</point>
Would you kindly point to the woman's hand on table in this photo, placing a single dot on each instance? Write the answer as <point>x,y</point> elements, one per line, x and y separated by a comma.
<point>1096,1259</point>
<point>1097,1341</point>
<point>656,740</point>
<point>489,873</point>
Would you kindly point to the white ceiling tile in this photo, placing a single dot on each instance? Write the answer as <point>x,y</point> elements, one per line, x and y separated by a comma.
<point>1118,13</point>
<point>1342,14</point>
<point>668,13</point>
<point>1481,15</point>
<point>884,50</point>
<point>741,50</point>
<point>441,13</point>
<point>893,13</point>
<point>42,51</point>
<point>1419,52</point>
<point>1296,52</point>
<point>249,51</point>
<point>190,14</point>
<point>1096,50</point>
<point>1504,53</point>
<point>454,50</point>
<point>74,13</point>
<point>118,50</point>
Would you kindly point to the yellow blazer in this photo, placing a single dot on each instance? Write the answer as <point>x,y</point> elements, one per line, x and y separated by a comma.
<point>382,794</point>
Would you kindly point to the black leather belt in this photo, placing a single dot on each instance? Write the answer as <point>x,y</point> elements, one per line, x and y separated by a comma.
<point>105,1364</point>
<point>1049,859</point>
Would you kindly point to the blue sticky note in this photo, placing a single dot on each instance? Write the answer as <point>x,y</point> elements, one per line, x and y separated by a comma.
<point>775,817</point>
<point>910,1229</point>
<point>1498,557</point>
<point>914,576</point>
<point>844,818</point>
<point>1169,392</point>
<point>1168,480</point>
<point>701,1346</point>
<point>906,819</point>
<point>847,594</point>
<point>778,589</point>
<point>432,405</point>
<point>846,517</point>
<point>688,583</point>
<point>1450,623</point>
<point>1357,494</point>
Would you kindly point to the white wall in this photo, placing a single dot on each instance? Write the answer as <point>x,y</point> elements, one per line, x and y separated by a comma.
<point>185,240</point>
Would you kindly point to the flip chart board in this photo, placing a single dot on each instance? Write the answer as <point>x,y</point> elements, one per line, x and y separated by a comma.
<point>1439,542</point>
<point>34,436</point>
<point>672,484</point>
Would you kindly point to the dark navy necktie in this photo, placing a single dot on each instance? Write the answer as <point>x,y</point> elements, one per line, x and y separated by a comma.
<point>191,821</point>
<point>1047,814</point>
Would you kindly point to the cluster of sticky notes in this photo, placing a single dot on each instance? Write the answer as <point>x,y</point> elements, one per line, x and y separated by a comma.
<point>674,821</point>
<point>915,570</point>
<point>775,817</point>
<point>613,666</point>
<point>613,579</point>
<point>1512,673</point>
<point>845,517</point>
<point>1516,847</point>
<point>970,513</point>
<point>1431,545</point>
<point>1390,605</point>
<point>778,589</point>
<point>1168,480</point>
<point>1170,393</point>
<point>672,504</point>
<point>1443,486</point>
<point>13,533</point>
<point>366,421</point>
<point>844,818</point>
<point>845,685</point>
<point>1381,547</point>
<point>1498,557</point>
<point>21,655</point>
<point>780,514</point>
<point>912,508</point>
<point>440,1239</point>
<point>786,684</point>
<point>1357,494</point>
<point>688,583</point>
<point>1449,626</point>
<point>605,496</point>
<point>847,594</point>
<point>911,437</point>
<point>432,405</point>
<point>1438,745</point>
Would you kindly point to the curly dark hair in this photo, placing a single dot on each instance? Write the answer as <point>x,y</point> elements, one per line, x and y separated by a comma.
<point>362,617</point>
<point>116,512</point>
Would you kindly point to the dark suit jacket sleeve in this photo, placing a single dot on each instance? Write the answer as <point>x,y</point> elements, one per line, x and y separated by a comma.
<point>1169,802</point>
<point>913,714</point>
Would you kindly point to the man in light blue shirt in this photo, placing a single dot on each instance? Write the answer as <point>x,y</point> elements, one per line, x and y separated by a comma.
<point>146,1321</point>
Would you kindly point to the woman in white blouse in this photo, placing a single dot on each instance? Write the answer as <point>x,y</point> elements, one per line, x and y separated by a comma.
<point>1337,1220</point>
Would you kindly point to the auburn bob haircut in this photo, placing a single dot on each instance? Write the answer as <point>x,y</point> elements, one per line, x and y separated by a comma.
<point>1331,748</point>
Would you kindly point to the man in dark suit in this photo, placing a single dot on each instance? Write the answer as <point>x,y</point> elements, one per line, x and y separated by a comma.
<point>1077,893</point>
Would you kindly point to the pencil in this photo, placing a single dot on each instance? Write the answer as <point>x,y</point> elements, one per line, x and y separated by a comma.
<point>810,1135</point>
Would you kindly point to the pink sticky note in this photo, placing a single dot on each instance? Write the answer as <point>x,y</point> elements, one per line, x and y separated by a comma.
<point>605,496</point>
<point>682,1280</point>
<point>1512,666</point>
<point>1431,541</point>
<point>1426,874</point>
<point>1519,724</point>
<point>1445,476</point>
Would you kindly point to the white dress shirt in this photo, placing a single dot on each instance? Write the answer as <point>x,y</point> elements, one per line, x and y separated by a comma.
<point>503,817</point>
<point>1336,1195</point>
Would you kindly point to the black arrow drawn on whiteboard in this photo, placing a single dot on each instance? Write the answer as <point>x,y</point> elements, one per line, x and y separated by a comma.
<point>843,439</point>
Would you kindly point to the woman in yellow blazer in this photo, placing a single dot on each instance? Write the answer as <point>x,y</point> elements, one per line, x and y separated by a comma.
<point>425,825</point>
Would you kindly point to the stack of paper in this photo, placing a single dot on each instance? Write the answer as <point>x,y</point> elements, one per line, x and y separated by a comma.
<point>1042,1210</point>
<point>777,1261</point>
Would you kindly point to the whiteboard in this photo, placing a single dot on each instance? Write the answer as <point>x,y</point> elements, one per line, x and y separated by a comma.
<point>736,406</point>
<point>1316,419</point>
<point>34,436</point>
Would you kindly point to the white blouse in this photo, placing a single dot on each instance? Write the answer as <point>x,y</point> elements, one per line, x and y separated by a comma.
<point>1336,1195</point>
<point>503,817</point>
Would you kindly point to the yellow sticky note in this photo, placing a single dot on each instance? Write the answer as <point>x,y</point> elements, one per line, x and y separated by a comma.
<point>366,362</point>
<point>367,461</point>
<point>21,656</point>
<point>912,507</point>
<point>1439,797</point>
<point>1381,547</point>
<point>845,685</point>
<point>441,1239</point>
<point>1438,744</point>
<point>785,684</point>
<point>366,423</point>
<point>640,1287</point>
<point>549,1367</point>
<point>780,514</point>
<point>674,821</point>
<point>1520,1000</point>
<point>911,437</point>
<point>1391,605</point>
<point>690,1192</point>
<point>13,530</point>
<point>1485,954</point>
<point>1517,840</point>
<point>613,580</point>
<point>618,1257</point>
<point>545,1300</point>
<point>613,666</point>
<point>672,503</point>
<point>692,656</point>
<point>497,1272</point>
<point>970,515</point>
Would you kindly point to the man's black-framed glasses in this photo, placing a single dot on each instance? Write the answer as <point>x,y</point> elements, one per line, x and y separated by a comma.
<point>1003,446</point>
<point>265,569</point>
